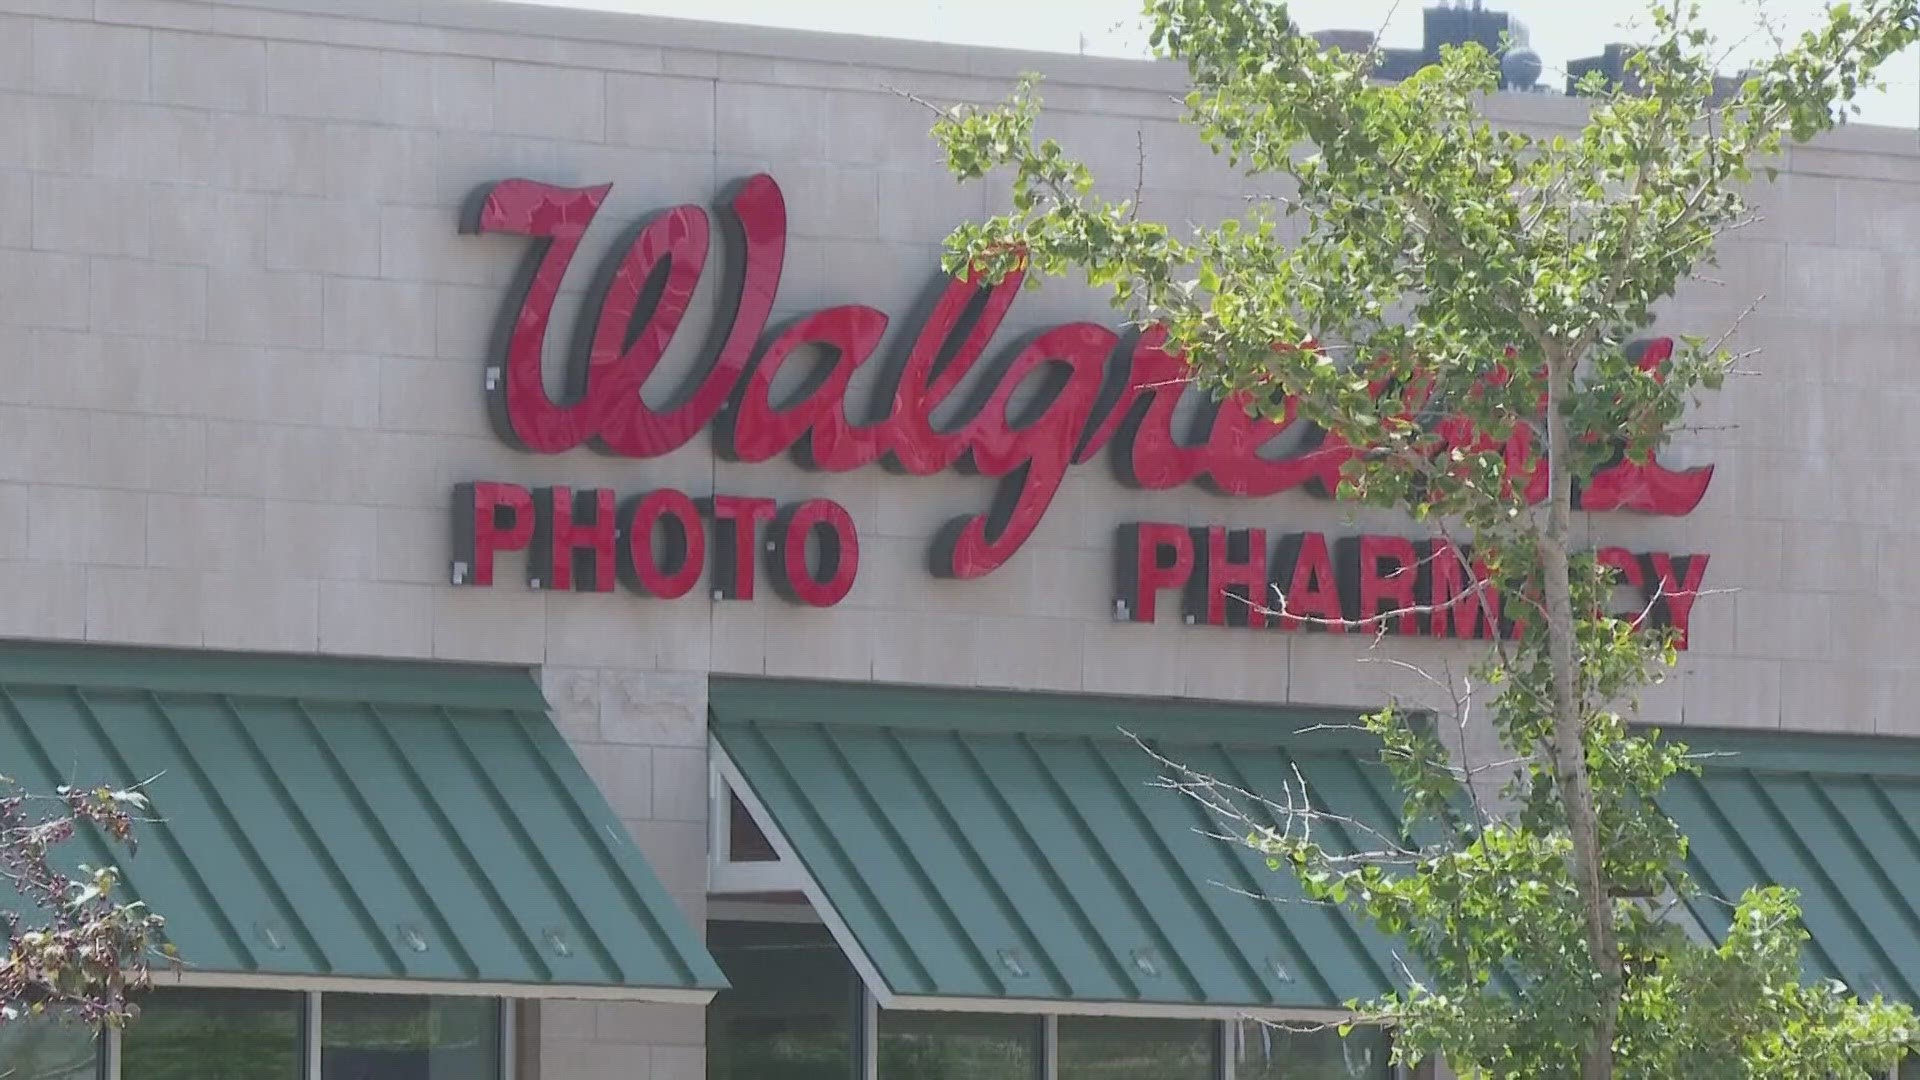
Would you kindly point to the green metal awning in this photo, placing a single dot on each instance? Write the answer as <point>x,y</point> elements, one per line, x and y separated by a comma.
<point>1836,818</point>
<point>1011,852</point>
<point>324,821</point>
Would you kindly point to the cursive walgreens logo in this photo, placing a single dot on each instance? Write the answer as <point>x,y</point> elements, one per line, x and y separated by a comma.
<point>1089,392</point>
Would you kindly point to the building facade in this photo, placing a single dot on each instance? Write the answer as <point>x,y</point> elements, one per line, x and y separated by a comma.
<point>402,399</point>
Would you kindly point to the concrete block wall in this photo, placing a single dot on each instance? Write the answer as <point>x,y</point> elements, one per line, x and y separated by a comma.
<point>242,342</point>
<point>642,736</point>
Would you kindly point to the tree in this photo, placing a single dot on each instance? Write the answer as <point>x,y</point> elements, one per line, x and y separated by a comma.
<point>1457,318</point>
<point>75,951</point>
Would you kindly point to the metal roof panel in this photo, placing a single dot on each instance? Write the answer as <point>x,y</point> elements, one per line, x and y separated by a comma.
<point>1831,816</point>
<point>334,821</point>
<point>1015,848</point>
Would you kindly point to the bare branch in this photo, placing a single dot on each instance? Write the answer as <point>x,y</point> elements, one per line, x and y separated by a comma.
<point>1140,172</point>
<point>918,100</point>
<point>1296,814</point>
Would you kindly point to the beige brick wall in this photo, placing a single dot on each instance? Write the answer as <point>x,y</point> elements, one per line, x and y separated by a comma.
<point>241,346</point>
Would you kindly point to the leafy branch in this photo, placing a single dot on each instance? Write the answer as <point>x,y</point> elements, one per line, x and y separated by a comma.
<point>77,949</point>
<point>1458,308</point>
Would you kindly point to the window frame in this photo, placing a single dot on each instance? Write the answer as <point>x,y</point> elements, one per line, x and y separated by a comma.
<point>1217,1031</point>
<point>864,1023</point>
<point>725,877</point>
<point>867,1058</point>
<point>313,1021</point>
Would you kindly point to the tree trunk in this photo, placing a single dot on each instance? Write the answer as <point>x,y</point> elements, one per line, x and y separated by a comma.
<point>1568,748</point>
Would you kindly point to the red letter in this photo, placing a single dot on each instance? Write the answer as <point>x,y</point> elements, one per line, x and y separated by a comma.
<point>1312,593</point>
<point>1149,454</point>
<point>753,430</point>
<point>1632,574</point>
<point>934,369</point>
<point>560,539</point>
<point>760,213</point>
<point>736,522</point>
<point>523,415</point>
<point>669,569</point>
<point>1234,464</point>
<point>1236,565</point>
<point>604,394</point>
<point>1153,556</point>
<point>1648,488</point>
<point>622,355</point>
<point>1146,453</point>
<point>839,553</point>
<point>1033,456</point>
<point>488,518</point>
<point>1679,588</point>
<point>1392,583</point>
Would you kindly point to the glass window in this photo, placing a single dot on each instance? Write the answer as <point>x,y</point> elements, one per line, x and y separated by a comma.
<point>1265,1052</point>
<point>790,1012</point>
<point>48,1050</point>
<point>959,1046</point>
<point>215,1035</point>
<point>369,1037</point>
<point>1130,1048</point>
<point>745,841</point>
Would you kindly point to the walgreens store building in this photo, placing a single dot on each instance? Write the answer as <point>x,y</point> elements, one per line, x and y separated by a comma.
<point>598,604</point>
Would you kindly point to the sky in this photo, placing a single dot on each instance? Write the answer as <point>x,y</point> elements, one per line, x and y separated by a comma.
<point>1561,29</point>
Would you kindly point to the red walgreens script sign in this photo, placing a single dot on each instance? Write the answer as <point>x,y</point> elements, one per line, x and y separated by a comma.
<point>1115,396</point>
